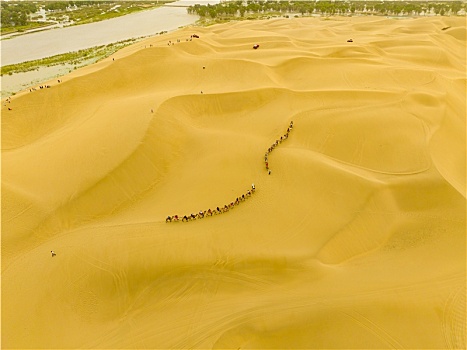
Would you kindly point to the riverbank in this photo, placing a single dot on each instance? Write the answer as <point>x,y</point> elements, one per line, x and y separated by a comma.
<point>26,75</point>
<point>30,29</point>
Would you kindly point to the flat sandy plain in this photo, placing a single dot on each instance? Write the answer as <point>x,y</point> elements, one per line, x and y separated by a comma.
<point>356,239</point>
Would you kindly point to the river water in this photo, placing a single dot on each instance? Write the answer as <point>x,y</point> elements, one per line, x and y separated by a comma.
<point>61,40</point>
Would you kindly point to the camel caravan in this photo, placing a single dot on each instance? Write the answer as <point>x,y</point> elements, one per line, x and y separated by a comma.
<point>275,144</point>
<point>220,210</point>
<point>210,212</point>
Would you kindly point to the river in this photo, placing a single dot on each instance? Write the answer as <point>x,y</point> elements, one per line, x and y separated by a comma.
<point>61,40</point>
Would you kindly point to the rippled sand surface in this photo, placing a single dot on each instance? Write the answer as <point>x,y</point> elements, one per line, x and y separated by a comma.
<point>355,240</point>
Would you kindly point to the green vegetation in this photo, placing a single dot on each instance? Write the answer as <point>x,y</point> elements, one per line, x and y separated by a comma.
<point>237,10</point>
<point>19,16</point>
<point>20,29</point>
<point>75,58</point>
<point>16,14</point>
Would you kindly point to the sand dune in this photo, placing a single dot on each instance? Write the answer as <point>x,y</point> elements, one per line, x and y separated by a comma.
<point>355,240</point>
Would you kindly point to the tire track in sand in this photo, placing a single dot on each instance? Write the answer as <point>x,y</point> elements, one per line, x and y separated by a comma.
<point>454,319</point>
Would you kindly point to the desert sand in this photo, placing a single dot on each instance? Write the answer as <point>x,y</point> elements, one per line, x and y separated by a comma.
<point>355,240</point>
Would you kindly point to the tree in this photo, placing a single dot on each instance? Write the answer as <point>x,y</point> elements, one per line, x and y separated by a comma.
<point>56,5</point>
<point>456,7</point>
<point>16,14</point>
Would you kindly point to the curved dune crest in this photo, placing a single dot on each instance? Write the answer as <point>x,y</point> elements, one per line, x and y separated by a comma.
<point>355,240</point>
<point>458,33</point>
<point>367,139</point>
